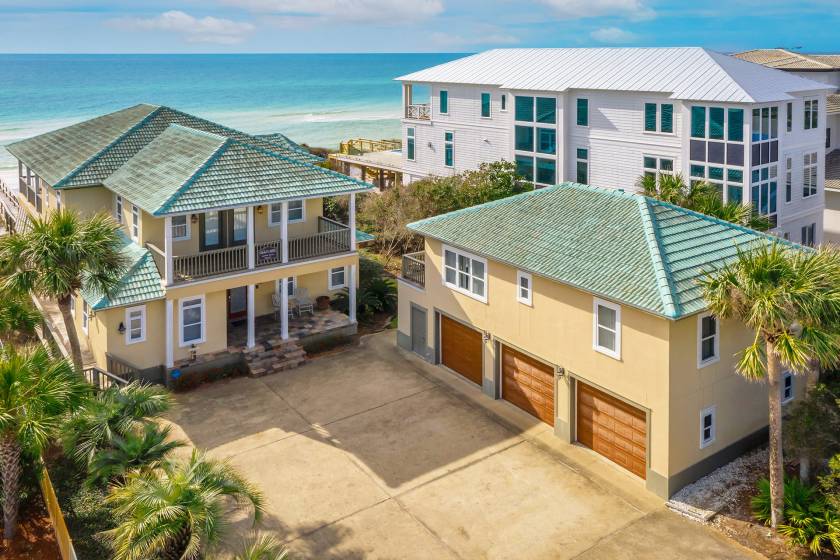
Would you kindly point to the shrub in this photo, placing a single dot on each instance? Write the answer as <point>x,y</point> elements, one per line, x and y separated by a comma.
<point>378,294</point>
<point>810,520</point>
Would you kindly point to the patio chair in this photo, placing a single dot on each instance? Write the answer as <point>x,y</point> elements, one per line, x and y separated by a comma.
<point>304,302</point>
<point>277,304</point>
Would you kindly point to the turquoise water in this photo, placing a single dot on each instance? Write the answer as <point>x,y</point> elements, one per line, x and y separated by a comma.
<point>318,99</point>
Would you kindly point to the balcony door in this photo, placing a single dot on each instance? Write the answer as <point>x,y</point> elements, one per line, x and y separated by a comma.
<point>224,228</point>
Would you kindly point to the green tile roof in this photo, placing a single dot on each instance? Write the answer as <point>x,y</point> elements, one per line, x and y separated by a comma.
<point>363,236</point>
<point>86,153</point>
<point>620,246</point>
<point>186,170</point>
<point>141,281</point>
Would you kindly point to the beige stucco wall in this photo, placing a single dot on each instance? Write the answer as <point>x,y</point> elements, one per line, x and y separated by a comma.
<point>88,200</point>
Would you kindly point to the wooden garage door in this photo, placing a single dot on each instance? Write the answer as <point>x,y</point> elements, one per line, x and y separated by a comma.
<point>461,349</point>
<point>613,428</point>
<point>528,383</point>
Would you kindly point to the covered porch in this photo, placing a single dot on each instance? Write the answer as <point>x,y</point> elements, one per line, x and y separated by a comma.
<point>301,327</point>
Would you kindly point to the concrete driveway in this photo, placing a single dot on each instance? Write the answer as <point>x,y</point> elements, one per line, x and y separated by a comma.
<point>372,453</point>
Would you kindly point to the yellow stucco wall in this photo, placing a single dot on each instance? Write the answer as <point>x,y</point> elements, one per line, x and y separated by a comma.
<point>88,200</point>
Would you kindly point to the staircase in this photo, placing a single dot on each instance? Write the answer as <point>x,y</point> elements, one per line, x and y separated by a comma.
<point>271,355</point>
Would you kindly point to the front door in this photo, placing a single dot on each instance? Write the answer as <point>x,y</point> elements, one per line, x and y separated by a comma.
<point>237,303</point>
<point>418,331</point>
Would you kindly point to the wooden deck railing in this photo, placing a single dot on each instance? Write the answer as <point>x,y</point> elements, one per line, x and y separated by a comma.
<point>210,263</point>
<point>16,216</point>
<point>414,268</point>
<point>356,146</point>
<point>418,111</point>
<point>121,368</point>
<point>268,252</point>
<point>101,379</point>
<point>332,237</point>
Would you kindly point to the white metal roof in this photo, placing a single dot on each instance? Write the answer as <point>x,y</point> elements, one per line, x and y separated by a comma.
<point>691,73</point>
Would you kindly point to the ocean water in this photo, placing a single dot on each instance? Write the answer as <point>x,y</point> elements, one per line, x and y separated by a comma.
<point>318,99</point>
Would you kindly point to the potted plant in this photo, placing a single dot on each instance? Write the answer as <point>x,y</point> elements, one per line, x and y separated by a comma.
<point>322,302</point>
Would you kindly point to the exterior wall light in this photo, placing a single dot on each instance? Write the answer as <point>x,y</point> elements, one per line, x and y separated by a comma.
<point>193,218</point>
<point>121,328</point>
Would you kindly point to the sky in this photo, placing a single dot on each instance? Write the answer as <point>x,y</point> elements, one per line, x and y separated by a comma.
<point>238,26</point>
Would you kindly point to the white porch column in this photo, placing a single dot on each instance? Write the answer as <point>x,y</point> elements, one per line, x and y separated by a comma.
<point>352,224</point>
<point>250,235</point>
<point>167,249</point>
<point>251,318</point>
<point>170,334</point>
<point>284,231</point>
<point>352,289</point>
<point>284,308</point>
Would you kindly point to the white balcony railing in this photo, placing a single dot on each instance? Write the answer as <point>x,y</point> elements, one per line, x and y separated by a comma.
<point>418,111</point>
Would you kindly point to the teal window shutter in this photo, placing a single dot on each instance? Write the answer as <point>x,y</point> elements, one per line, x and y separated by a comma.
<point>444,101</point>
<point>546,110</point>
<point>736,125</point>
<point>698,122</point>
<point>583,112</point>
<point>666,123</point>
<point>716,123</point>
<point>485,105</point>
<point>524,108</point>
<point>650,117</point>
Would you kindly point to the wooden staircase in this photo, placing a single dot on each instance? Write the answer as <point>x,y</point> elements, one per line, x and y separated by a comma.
<point>272,355</point>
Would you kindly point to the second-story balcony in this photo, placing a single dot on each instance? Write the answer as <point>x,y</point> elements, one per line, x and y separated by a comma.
<point>420,111</point>
<point>414,268</point>
<point>332,238</point>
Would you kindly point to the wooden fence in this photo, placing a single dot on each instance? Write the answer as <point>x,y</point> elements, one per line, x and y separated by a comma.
<point>65,543</point>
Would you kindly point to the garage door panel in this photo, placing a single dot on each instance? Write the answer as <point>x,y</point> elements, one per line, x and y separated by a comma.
<point>528,383</point>
<point>612,428</point>
<point>461,349</point>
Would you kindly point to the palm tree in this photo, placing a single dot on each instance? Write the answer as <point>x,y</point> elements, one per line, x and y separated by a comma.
<point>145,448</point>
<point>58,255</point>
<point>18,318</point>
<point>36,393</point>
<point>114,412</point>
<point>790,299</point>
<point>700,196</point>
<point>262,547</point>
<point>177,512</point>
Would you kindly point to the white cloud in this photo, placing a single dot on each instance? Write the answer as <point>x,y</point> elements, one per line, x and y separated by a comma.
<point>395,11</point>
<point>580,9</point>
<point>613,35</point>
<point>498,38</point>
<point>194,30</point>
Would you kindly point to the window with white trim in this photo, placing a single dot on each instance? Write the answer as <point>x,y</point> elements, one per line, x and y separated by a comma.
<point>465,273</point>
<point>811,114</point>
<point>808,234</point>
<point>85,316</point>
<point>788,179</point>
<point>295,213</point>
<point>135,324</point>
<point>654,166</point>
<point>809,175</point>
<point>707,427</point>
<point>708,339</point>
<point>135,222</point>
<point>524,288</point>
<point>118,209</point>
<point>180,228</point>
<point>291,286</point>
<point>192,320</point>
<point>337,278</point>
<point>787,387</point>
<point>409,143</point>
<point>607,328</point>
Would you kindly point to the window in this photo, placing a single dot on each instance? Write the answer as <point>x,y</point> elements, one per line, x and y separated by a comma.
<point>503,102</point>
<point>788,179</point>
<point>85,316</point>
<point>525,167</point>
<point>787,387</point>
<point>135,222</point>
<point>546,171</point>
<point>665,122</point>
<point>809,175</point>
<point>465,273</point>
<point>135,324</point>
<point>523,287</point>
<point>192,320</point>
<point>337,278</point>
<point>653,165</point>
<point>582,166</point>
<point>58,200</point>
<point>180,228</point>
<point>444,102</point>
<point>735,126</point>
<point>698,122</point>
<point>707,427</point>
<point>546,140</point>
<point>764,186</point>
<point>485,105</point>
<point>524,108</point>
<point>789,108</point>
<point>523,138</point>
<point>409,144</point>
<point>291,285</point>
<point>296,211</point>
<point>448,149</point>
<point>546,110</point>
<point>118,209</point>
<point>808,233</point>
<point>583,112</point>
<point>707,340</point>
<point>240,225</point>
<point>607,325</point>
<point>211,229</point>
<point>811,114</point>
<point>650,117</point>
<point>716,123</point>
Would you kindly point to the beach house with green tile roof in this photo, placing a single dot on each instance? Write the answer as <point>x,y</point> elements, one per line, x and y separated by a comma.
<point>582,307</point>
<point>223,231</point>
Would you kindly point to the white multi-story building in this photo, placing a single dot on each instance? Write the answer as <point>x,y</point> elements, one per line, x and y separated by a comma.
<point>823,68</point>
<point>607,116</point>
